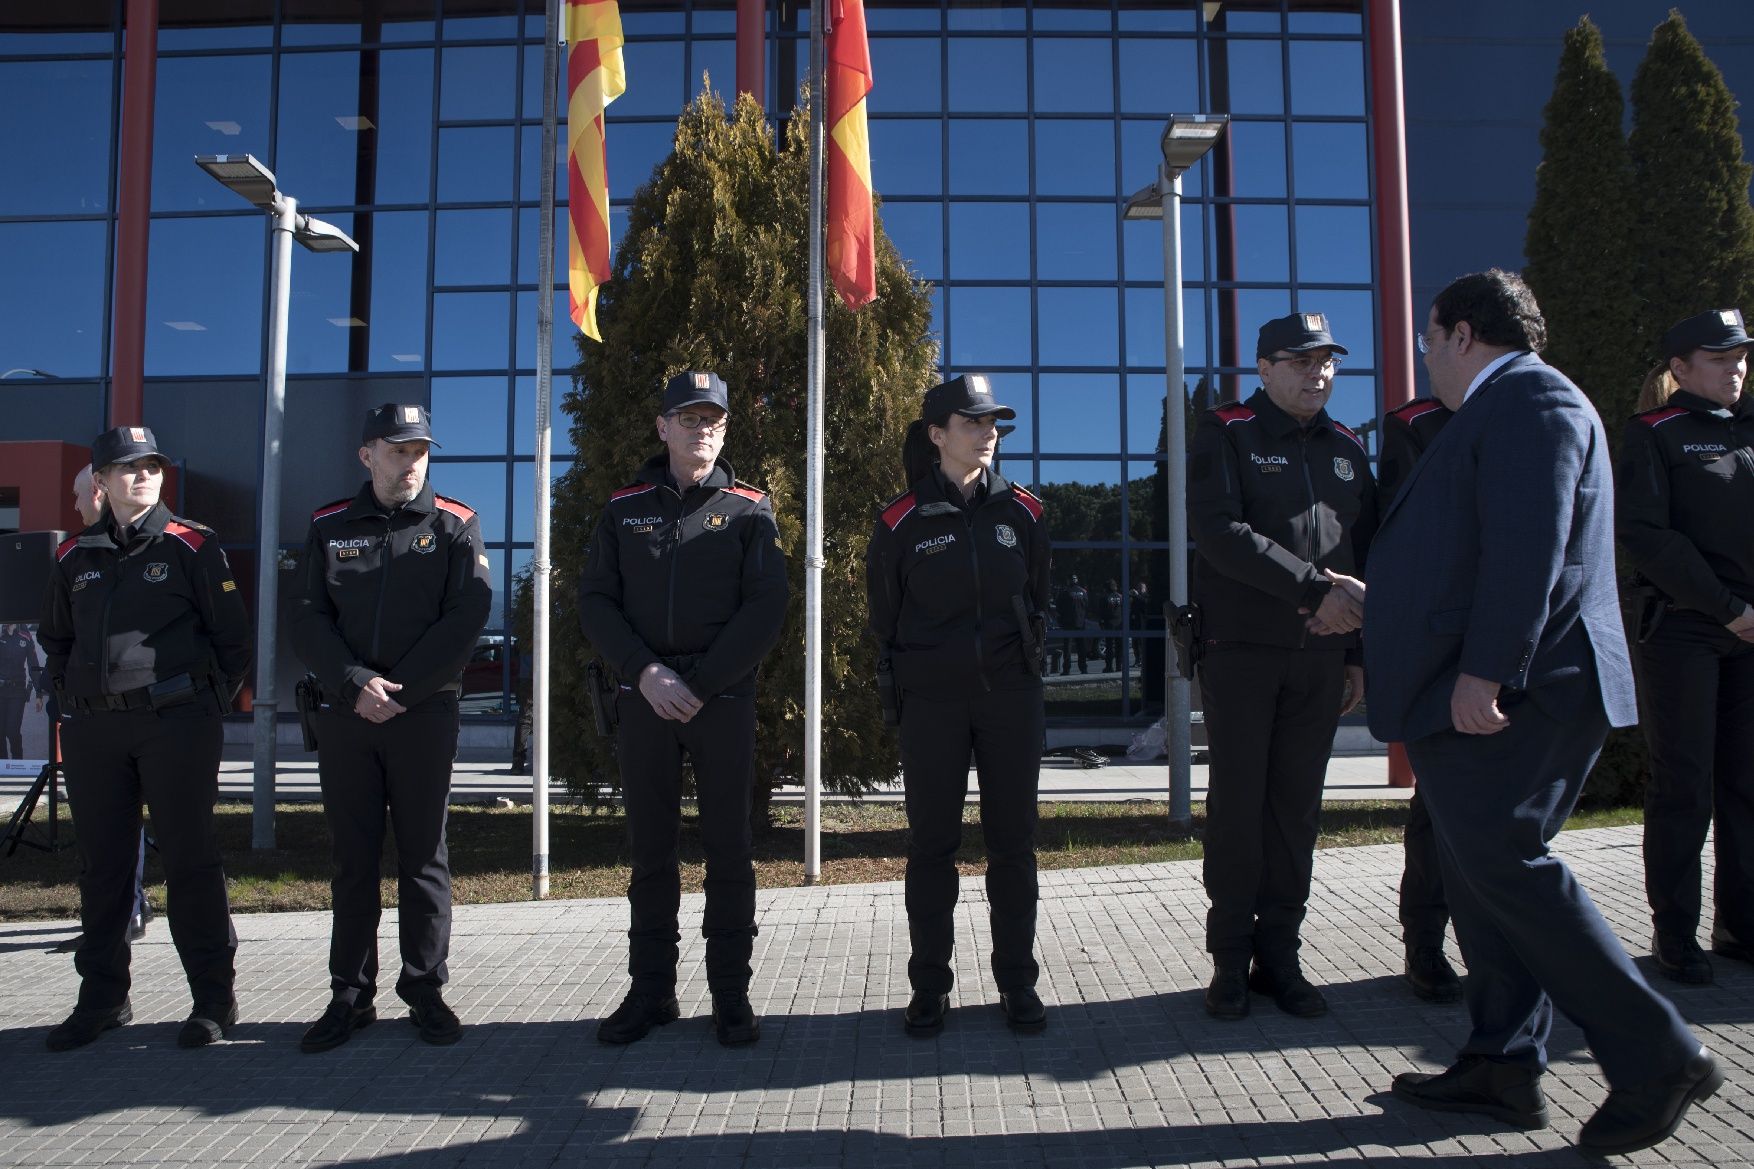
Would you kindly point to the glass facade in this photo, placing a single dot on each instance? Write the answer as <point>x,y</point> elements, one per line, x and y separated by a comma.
<point>1005,140</point>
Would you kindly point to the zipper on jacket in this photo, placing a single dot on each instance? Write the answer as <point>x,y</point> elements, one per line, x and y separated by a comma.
<point>1314,516</point>
<point>383,588</point>
<point>974,559</point>
<point>103,681</point>
<point>670,588</point>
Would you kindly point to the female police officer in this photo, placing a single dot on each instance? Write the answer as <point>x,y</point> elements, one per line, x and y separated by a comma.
<point>957,576</point>
<point>1685,490</point>
<point>145,641</point>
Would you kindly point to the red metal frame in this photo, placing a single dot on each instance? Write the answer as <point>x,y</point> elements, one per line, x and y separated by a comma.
<point>752,49</point>
<point>133,206</point>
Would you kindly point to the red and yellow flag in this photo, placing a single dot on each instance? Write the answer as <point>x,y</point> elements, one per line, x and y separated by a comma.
<point>852,230</point>
<point>595,76</point>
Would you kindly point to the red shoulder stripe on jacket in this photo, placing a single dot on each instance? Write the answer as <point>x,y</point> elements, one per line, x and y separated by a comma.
<point>899,510</point>
<point>457,508</point>
<point>1235,412</point>
<point>186,534</point>
<point>67,546</point>
<point>330,509</point>
<point>1417,408</point>
<point>1351,434</point>
<point>746,493</point>
<point>636,489</point>
<point>1661,415</point>
<point>1030,503</point>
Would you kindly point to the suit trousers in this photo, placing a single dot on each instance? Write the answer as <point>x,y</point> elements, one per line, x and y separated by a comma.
<point>1270,714</point>
<point>1003,730</point>
<point>1532,938</point>
<point>719,742</point>
<point>1424,913</point>
<point>402,767</point>
<point>169,761</point>
<point>1696,689</point>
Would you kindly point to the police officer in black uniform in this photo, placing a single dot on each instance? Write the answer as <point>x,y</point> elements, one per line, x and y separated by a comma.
<point>1114,646</point>
<point>146,642</point>
<point>1073,607</point>
<point>1281,508</point>
<point>683,594</point>
<point>1685,496</point>
<point>18,683</point>
<point>957,583</point>
<point>393,590</point>
<point>1407,430</point>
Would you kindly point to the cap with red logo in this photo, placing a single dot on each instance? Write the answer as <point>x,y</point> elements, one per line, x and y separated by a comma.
<point>695,387</point>
<point>398,422</point>
<point>1296,333</point>
<point>1717,331</point>
<point>124,444</point>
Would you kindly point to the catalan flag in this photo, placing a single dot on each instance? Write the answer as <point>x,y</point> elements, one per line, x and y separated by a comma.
<point>852,229</point>
<point>595,76</point>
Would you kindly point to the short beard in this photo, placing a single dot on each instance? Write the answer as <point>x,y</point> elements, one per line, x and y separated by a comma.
<point>397,494</point>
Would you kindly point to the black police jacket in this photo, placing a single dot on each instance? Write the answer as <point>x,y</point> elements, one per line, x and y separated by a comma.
<point>18,662</point>
<point>693,578</point>
<point>399,594</point>
<point>1270,504</point>
<point>941,575</point>
<point>1406,431</point>
<point>158,603</point>
<point>1684,501</point>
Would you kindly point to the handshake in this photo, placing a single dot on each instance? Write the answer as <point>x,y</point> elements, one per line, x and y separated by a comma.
<point>1342,610</point>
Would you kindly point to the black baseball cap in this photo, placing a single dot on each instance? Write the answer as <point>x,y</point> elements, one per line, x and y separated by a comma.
<point>969,394</point>
<point>124,444</point>
<point>398,422</point>
<point>1296,334</point>
<point>696,387</point>
<point>1718,331</point>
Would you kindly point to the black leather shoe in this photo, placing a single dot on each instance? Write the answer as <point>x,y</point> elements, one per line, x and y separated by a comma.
<point>86,1024</point>
<point>208,1024</point>
<point>734,1019</point>
<point>438,1024</point>
<point>1726,945</point>
<point>1639,1117</point>
<point>70,945</point>
<point>1504,1091</point>
<point>1431,976</point>
<point>638,1014</point>
<point>1023,1010</point>
<point>137,923</point>
<point>1227,996</point>
<point>340,1020</point>
<point>1680,960</point>
<point>924,1016</point>
<point>1290,991</point>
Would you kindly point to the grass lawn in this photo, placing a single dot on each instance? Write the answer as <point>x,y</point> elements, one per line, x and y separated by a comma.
<point>490,851</point>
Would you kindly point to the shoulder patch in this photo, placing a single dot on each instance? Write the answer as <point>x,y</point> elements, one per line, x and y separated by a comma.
<point>899,509</point>
<point>1235,412</point>
<point>1417,408</point>
<point>1030,502</point>
<point>746,491</point>
<point>1661,415</point>
<point>188,535</point>
<point>1351,434</point>
<point>633,489</point>
<point>455,506</point>
<point>67,545</point>
<point>329,509</point>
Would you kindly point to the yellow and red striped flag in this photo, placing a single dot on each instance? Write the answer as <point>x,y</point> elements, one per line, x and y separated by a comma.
<point>595,76</point>
<point>852,229</point>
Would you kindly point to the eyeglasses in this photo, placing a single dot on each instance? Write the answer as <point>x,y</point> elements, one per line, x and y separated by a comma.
<point>695,420</point>
<point>1419,340</point>
<point>1307,365</point>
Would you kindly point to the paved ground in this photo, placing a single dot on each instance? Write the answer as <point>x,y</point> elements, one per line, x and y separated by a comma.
<point>1131,1071</point>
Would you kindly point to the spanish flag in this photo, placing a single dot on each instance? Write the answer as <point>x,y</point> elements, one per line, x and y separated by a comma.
<point>852,229</point>
<point>595,77</point>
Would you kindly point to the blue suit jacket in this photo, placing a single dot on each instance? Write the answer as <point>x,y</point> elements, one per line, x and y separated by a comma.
<point>1496,559</point>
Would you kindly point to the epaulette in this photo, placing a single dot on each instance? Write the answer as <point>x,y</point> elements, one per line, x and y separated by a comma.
<point>1031,503</point>
<point>191,536</point>
<point>329,509</point>
<point>738,487</point>
<point>1417,408</point>
<point>632,489</point>
<point>1661,415</point>
<point>67,545</point>
<point>455,506</point>
<point>1351,434</point>
<point>898,509</point>
<point>1235,412</point>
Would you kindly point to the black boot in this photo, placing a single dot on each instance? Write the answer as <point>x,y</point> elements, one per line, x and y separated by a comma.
<point>734,1019</point>
<point>638,1013</point>
<point>1227,997</point>
<point>1504,1091</point>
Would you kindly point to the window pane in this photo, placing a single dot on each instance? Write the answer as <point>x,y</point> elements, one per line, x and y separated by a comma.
<point>655,84</point>
<point>643,17</point>
<point>559,423</point>
<point>717,62</point>
<point>988,76</point>
<point>1143,240</point>
<point>1142,154</point>
<point>316,22</point>
<point>1256,160</point>
<point>989,241</point>
<point>524,496</point>
<point>1248,16</point>
<point>1145,327</point>
<point>205,105</point>
<point>1012,389</point>
<point>713,16</point>
<point>529,239</point>
<point>459,26</point>
<point>1074,76</point>
<point>323,317</point>
<point>1333,245</point>
<point>1076,241</point>
<point>988,326</point>
<point>1083,504</point>
<point>473,247</point>
<point>987,15</point>
<point>907,156</point>
<point>1327,77</point>
<point>1159,77</point>
<point>1330,160</point>
<point>884,17</point>
<point>1075,157</point>
<point>1263,245</point>
<point>635,150</point>
<point>469,415</point>
<point>530,163</point>
<point>475,164</point>
<point>532,85</point>
<point>193,24</point>
<point>1304,20</point>
<point>79,26</point>
<point>325,129</point>
<point>989,157</point>
<point>55,137</point>
<point>1354,401</point>
<point>478,83</point>
<point>398,317</point>
<point>1145,418</point>
<point>1352,319</point>
<point>917,231</point>
<point>480,486</point>
<point>1253,82</point>
<point>1080,413</point>
<point>206,295</point>
<point>470,330</point>
<point>1078,326</point>
<point>1254,308</point>
<point>1073,14</point>
<point>52,293</point>
<point>1157,15</point>
<point>909,73</point>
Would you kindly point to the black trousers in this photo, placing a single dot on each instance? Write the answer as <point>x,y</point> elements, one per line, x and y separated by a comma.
<point>1424,913</point>
<point>403,767</point>
<point>1531,936</point>
<point>1696,692</point>
<point>1003,728</point>
<point>170,762</point>
<point>12,703</point>
<point>720,743</point>
<point>1270,720</point>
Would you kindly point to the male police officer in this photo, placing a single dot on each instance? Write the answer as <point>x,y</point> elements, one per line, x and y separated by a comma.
<point>1281,506</point>
<point>683,594</point>
<point>394,589</point>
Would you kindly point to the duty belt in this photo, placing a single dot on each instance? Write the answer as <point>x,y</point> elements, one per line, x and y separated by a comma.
<point>140,698</point>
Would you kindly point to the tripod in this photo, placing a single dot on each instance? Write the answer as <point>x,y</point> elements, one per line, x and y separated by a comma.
<point>48,779</point>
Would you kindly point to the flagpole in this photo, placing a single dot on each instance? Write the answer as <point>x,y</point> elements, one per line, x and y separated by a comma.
<point>813,559</point>
<point>539,577</point>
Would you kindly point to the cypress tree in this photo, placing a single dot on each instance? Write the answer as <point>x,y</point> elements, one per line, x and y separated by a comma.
<point>710,274</point>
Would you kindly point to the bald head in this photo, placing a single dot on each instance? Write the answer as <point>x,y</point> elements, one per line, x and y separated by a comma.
<point>87,499</point>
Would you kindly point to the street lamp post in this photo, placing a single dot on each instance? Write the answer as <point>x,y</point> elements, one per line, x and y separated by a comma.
<point>248,178</point>
<point>1186,139</point>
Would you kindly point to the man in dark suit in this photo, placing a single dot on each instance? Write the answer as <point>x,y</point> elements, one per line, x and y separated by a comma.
<point>1494,650</point>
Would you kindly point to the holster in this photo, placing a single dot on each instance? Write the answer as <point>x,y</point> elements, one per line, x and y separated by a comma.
<point>307,696</point>
<point>1652,606</point>
<point>1033,629</point>
<point>600,689</point>
<point>1187,631</point>
<point>888,697</point>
